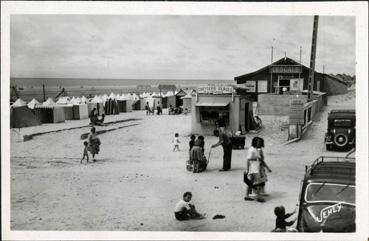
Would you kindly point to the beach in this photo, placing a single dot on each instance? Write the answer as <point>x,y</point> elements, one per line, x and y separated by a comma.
<point>138,179</point>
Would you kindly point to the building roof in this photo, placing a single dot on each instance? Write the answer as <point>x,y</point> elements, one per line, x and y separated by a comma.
<point>286,61</point>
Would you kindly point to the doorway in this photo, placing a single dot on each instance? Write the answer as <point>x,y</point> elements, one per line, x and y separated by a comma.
<point>247,117</point>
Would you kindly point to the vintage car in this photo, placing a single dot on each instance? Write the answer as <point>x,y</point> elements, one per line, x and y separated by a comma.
<point>341,129</point>
<point>327,197</point>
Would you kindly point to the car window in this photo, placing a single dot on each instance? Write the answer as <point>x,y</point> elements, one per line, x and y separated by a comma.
<point>318,192</point>
<point>342,123</point>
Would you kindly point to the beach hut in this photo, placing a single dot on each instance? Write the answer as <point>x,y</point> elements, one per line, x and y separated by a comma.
<point>170,99</point>
<point>179,95</point>
<point>83,100</point>
<point>187,102</point>
<point>50,112</point>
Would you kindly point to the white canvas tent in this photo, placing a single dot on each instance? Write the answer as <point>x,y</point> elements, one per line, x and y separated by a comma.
<point>33,103</point>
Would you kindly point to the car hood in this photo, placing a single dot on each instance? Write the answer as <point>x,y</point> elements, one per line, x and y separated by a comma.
<point>327,217</point>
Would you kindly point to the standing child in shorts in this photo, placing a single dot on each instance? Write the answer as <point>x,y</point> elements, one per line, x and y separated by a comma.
<point>85,151</point>
<point>176,142</point>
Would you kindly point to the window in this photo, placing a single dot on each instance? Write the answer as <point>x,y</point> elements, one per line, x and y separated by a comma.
<point>210,114</point>
<point>319,192</point>
<point>342,123</point>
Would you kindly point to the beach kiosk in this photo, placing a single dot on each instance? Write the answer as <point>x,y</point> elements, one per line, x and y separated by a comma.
<point>210,103</point>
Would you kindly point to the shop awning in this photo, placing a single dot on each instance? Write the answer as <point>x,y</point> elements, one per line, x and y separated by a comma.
<point>213,104</point>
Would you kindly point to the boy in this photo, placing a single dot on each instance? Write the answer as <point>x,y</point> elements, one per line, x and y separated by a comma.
<point>281,223</point>
<point>85,151</point>
<point>184,210</point>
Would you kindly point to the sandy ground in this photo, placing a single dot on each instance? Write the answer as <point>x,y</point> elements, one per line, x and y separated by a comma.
<point>137,179</point>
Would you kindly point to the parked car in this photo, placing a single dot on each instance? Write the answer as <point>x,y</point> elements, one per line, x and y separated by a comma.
<point>341,129</point>
<point>327,197</point>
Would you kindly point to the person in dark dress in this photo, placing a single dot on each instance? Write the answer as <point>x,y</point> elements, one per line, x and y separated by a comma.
<point>226,143</point>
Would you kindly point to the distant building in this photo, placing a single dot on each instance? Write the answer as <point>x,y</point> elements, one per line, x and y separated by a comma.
<point>287,76</point>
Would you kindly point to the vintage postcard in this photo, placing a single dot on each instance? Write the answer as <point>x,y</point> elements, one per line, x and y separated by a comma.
<point>184,121</point>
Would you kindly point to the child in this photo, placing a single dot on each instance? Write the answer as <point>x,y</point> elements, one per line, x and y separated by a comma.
<point>184,210</point>
<point>176,142</point>
<point>280,222</point>
<point>85,151</point>
<point>192,141</point>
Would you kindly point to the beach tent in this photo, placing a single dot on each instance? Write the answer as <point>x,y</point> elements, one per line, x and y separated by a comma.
<point>50,112</point>
<point>22,116</point>
<point>80,111</point>
<point>64,103</point>
<point>33,103</point>
<point>98,103</point>
<point>187,102</point>
<point>18,103</point>
<point>48,102</point>
<point>112,96</point>
<point>83,100</point>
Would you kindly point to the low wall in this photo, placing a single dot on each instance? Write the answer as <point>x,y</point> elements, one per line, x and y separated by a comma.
<point>270,104</point>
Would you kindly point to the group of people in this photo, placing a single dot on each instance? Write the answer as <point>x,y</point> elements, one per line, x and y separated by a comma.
<point>92,145</point>
<point>197,161</point>
<point>175,110</point>
<point>151,110</point>
<point>255,175</point>
<point>95,120</point>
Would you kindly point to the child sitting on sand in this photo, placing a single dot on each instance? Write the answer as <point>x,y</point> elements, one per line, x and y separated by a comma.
<point>184,210</point>
<point>281,223</point>
<point>176,142</point>
<point>85,151</point>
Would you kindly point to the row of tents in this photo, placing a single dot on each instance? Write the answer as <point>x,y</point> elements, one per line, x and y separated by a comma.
<point>24,114</point>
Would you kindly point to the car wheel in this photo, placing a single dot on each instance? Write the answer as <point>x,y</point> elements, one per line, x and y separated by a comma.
<point>340,140</point>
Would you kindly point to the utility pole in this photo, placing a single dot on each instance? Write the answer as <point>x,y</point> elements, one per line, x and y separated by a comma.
<point>312,58</point>
<point>43,91</point>
<point>300,64</point>
<point>271,72</point>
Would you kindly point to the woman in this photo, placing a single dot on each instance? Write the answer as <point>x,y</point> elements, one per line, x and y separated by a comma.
<point>263,166</point>
<point>252,172</point>
<point>93,143</point>
<point>197,157</point>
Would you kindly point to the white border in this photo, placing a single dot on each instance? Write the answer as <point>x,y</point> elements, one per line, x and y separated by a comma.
<point>357,9</point>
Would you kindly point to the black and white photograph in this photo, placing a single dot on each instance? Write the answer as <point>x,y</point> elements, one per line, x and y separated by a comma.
<point>192,122</point>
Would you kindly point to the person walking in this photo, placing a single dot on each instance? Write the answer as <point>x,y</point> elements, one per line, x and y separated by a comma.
<point>226,143</point>
<point>93,143</point>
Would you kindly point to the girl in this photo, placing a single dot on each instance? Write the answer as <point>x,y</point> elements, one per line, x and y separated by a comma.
<point>176,142</point>
<point>252,171</point>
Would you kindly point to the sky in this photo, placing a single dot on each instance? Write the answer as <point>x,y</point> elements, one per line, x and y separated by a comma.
<point>172,47</point>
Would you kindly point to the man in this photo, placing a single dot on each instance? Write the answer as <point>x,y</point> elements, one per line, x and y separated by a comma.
<point>226,143</point>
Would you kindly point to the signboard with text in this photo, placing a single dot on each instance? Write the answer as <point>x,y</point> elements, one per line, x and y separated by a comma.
<point>262,86</point>
<point>297,111</point>
<point>285,69</point>
<point>216,89</point>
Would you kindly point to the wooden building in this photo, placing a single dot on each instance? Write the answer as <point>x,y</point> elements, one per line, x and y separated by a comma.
<point>287,76</point>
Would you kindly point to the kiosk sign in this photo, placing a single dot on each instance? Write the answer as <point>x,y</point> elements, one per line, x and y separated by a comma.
<point>297,111</point>
<point>215,89</point>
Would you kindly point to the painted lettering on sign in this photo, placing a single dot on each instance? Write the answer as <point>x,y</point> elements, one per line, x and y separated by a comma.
<point>285,69</point>
<point>327,211</point>
<point>215,89</point>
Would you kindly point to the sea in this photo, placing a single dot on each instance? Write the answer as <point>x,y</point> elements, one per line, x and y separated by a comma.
<point>29,88</point>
